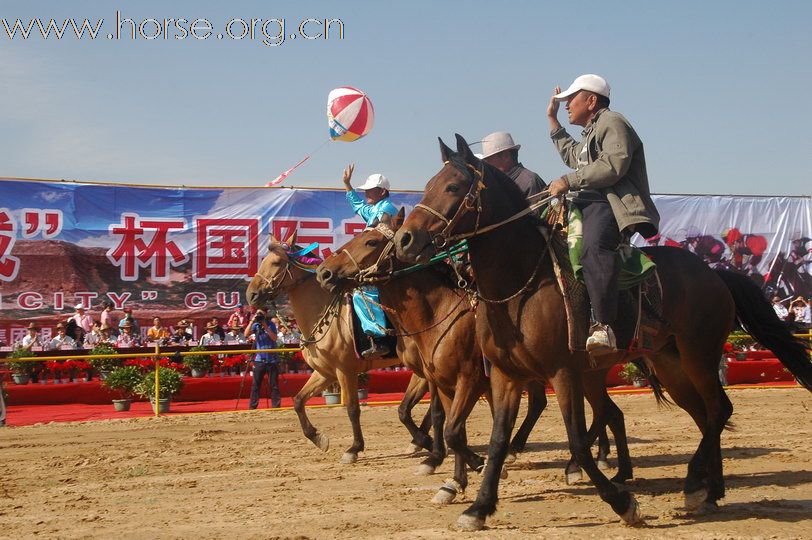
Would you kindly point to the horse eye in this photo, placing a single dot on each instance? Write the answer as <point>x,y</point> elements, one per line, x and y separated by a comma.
<point>452,188</point>
<point>372,243</point>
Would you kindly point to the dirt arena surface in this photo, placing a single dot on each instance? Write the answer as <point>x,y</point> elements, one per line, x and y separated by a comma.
<point>253,475</point>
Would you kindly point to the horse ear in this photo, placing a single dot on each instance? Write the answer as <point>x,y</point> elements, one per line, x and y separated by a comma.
<point>291,241</point>
<point>445,151</point>
<point>375,222</point>
<point>463,149</point>
<point>385,218</point>
<point>271,241</point>
<point>397,221</point>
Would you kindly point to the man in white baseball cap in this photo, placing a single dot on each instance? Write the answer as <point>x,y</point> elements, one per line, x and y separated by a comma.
<point>612,192</point>
<point>499,150</point>
<point>373,207</point>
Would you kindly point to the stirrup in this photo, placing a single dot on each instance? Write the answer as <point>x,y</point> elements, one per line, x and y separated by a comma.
<point>375,350</point>
<point>601,340</point>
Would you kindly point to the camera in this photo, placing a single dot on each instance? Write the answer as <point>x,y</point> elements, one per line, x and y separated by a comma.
<point>259,317</point>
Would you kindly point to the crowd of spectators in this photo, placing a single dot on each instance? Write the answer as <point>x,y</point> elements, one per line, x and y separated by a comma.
<point>82,331</point>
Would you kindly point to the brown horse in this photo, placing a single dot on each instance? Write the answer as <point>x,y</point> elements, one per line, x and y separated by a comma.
<point>522,330</point>
<point>428,307</point>
<point>328,349</point>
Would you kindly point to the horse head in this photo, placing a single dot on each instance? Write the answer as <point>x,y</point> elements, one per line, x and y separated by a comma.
<point>274,274</point>
<point>364,257</point>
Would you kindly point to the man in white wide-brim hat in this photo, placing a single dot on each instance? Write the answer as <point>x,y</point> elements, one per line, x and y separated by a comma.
<point>612,192</point>
<point>499,150</point>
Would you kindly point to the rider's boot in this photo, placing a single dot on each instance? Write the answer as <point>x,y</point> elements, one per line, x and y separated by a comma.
<point>601,340</point>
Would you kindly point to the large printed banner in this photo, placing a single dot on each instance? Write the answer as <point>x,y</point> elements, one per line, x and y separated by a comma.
<point>185,252</point>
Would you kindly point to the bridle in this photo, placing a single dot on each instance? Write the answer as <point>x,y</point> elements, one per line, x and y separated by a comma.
<point>372,273</point>
<point>473,200</point>
<point>274,288</point>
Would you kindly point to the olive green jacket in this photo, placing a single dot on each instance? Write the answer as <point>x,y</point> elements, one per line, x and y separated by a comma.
<point>610,159</point>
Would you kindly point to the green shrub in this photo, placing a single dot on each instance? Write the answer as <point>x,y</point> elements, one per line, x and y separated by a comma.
<point>740,341</point>
<point>198,362</point>
<point>124,379</point>
<point>170,383</point>
<point>21,368</point>
<point>105,364</point>
<point>630,373</point>
<point>363,379</point>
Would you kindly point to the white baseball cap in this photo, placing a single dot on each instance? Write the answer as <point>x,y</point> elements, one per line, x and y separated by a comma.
<point>376,180</point>
<point>79,306</point>
<point>593,83</point>
<point>497,142</point>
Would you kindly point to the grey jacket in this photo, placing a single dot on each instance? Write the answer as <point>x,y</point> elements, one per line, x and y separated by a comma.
<point>610,160</point>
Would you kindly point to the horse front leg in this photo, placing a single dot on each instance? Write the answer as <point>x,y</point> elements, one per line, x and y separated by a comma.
<point>437,454</point>
<point>316,383</point>
<point>507,395</point>
<point>418,386</point>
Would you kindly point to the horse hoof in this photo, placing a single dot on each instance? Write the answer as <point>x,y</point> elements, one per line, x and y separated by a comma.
<point>349,458</point>
<point>470,523</point>
<point>447,492</point>
<point>632,517</point>
<point>322,441</point>
<point>412,449</point>
<point>602,464</point>
<point>694,501</point>
<point>424,470</point>
<point>510,458</point>
<point>574,477</point>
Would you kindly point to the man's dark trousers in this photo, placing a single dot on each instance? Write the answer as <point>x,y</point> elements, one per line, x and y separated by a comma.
<point>600,259</point>
<point>260,369</point>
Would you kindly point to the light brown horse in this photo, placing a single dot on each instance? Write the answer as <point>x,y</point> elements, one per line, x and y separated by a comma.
<point>328,347</point>
<point>522,329</point>
<point>428,307</point>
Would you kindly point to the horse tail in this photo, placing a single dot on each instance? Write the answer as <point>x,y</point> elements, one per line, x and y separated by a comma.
<point>758,318</point>
<point>654,382</point>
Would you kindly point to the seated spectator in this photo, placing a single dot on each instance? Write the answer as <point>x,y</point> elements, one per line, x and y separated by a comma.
<point>234,336</point>
<point>82,319</point>
<point>157,332</point>
<point>210,337</point>
<point>239,317</point>
<point>218,329</point>
<point>127,337</point>
<point>95,336</point>
<point>128,317</point>
<point>108,318</point>
<point>780,309</point>
<point>72,329</point>
<point>182,333</point>
<point>31,338</point>
<point>800,311</point>
<point>109,334</point>
<point>62,340</point>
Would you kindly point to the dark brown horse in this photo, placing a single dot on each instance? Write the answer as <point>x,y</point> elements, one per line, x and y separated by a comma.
<point>328,349</point>
<point>522,329</point>
<point>428,307</point>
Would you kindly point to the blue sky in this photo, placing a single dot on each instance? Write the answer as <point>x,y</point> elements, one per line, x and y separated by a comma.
<point>716,90</point>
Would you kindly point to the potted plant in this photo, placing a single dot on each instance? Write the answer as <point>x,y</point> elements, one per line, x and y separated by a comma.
<point>363,385</point>
<point>123,380</point>
<point>21,371</point>
<point>740,342</point>
<point>632,374</point>
<point>104,365</point>
<point>198,364</point>
<point>332,394</point>
<point>170,383</point>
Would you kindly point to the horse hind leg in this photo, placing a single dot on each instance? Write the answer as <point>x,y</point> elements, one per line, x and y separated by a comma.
<point>314,384</point>
<point>349,396</point>
<point>418,386</point>
<point>437,454</point>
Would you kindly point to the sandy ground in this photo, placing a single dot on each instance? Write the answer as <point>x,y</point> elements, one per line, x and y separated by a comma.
<point>252,475</point>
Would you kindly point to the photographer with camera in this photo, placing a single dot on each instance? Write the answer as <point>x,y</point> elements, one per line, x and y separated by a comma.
<point>262,332</point>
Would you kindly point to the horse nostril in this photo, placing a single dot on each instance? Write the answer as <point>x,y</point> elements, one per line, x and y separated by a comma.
<point>325,275</point>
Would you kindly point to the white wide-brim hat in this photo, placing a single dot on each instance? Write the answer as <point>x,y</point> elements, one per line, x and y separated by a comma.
<point>376,180</point>
<point>592,83</point>
<point>498,142</point>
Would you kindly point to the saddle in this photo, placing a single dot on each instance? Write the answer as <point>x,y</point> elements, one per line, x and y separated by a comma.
<point>640,298</point>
